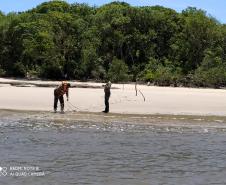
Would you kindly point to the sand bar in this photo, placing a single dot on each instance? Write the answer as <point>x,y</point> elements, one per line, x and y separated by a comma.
<point>158,100</point>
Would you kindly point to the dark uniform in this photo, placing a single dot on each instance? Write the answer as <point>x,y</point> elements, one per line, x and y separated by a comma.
<point>59,95</point>
<point>107,91</point>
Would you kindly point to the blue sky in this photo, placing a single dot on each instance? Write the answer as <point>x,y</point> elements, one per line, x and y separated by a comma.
<point>216,8</point>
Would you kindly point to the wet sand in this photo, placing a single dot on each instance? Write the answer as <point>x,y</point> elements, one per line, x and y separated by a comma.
<point>88,118</point>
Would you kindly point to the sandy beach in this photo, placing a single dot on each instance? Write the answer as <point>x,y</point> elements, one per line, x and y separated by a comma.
<point>24,95</point>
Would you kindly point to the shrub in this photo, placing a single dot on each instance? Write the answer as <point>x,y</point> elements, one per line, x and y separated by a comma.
<point>2,72</point>
<point>19,69</point>
<point>213,77</point>
<point>118,71</point>
<point>51,71</point>
<point>162,73</point>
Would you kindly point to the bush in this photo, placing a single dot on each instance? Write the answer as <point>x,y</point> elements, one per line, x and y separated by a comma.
<point>71,68</point>
<point>149,76</point>
<point>2,72</point>
<point>212,71</point>
<point>213,77</point>
<point>118,71</point>
<point>33,74</point>
<point>51,71</point>
<point>99,73</point>
<point>19,70</point>
<point>162,73</point>
<point>163,76</point>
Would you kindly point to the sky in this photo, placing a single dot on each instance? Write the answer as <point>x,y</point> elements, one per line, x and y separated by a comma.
<point>216,8</point>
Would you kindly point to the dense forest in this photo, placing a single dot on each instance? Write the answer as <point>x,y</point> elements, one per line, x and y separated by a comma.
<point>115,41</point>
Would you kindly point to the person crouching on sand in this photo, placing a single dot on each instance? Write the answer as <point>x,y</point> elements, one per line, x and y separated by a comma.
<point>59,94</point>
<point>107,91</point>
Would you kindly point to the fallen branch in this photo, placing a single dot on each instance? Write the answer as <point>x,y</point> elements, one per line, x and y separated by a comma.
<point>142,94</point>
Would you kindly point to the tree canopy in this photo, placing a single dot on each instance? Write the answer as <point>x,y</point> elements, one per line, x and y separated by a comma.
<point>115,41</point>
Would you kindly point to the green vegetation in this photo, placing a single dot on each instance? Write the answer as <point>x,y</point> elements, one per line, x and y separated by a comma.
<point>118,71</point>
<point>116,41</point>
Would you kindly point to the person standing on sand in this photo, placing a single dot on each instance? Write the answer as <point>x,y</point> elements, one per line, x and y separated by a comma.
<point>107,92</point>
<point>59,95</point>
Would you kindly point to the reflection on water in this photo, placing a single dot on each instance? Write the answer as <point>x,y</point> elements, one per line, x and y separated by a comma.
<point>115,153</point>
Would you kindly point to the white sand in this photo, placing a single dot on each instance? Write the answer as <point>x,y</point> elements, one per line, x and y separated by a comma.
<point>159,100</point>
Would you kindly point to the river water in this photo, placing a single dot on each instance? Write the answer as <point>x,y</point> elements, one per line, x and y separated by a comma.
<point>113,153</point>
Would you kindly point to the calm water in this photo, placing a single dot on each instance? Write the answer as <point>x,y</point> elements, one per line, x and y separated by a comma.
<point>75,152</point>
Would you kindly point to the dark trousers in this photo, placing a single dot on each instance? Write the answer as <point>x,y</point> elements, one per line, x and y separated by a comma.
<point>106,101</point>
<point>56,98</point>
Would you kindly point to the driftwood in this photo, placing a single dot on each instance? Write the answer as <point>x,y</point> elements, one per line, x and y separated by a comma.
<point>139,91</point>
<point>142,94</point>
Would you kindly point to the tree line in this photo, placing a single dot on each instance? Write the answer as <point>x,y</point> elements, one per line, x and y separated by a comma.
<point>115,41</point>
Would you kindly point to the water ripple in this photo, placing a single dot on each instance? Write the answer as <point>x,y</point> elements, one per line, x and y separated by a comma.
<point>114,152</point>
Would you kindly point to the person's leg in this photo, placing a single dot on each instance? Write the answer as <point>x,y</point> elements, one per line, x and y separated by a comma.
<point>106,104</point>
<point>55,102</point>
<point>61,98</point>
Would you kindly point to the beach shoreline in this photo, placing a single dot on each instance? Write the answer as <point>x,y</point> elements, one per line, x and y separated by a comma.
<point>113,118</point>
<point>89,97</point>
